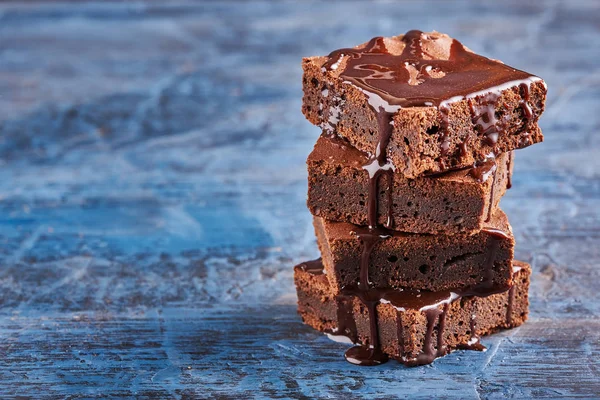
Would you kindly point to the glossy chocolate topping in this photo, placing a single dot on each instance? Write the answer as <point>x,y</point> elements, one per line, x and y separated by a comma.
<point>314,267</point>
<point>509,170</point>
<point>428,70</point>
<point>421,70</point>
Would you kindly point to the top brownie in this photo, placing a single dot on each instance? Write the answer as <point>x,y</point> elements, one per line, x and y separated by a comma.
<point>423,102</point>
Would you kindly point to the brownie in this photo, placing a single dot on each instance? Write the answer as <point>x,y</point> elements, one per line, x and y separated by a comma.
<point>418,261</point>
<point>408,321</point>
<point>455,202</point>
<point>423,102</point>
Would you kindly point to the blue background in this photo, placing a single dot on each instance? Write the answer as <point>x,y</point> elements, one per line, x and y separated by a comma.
<point>152,200</point>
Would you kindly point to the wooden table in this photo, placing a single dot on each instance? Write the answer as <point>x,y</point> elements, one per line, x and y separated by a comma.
<point>153,184</point>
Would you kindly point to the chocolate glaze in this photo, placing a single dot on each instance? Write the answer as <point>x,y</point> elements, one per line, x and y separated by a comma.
<point>400,331</point>
<point>524,103</point>
<point>481,171</point>
<point>508,171</point>
<point>414,78</point>
<point>314,267</point>
<point>492,197</point>
<point>386,77</point>
<point>369,239</point>
<point>509,309</point>
<point>371,354</point>
<point>486,286</point>
<point>474,343</point>
<point>464,149</point>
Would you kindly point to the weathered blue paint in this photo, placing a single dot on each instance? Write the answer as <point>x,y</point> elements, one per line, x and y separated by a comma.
<point>152,187</point>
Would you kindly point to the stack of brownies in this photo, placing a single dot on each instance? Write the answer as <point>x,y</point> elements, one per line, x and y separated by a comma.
<point>404,185</point>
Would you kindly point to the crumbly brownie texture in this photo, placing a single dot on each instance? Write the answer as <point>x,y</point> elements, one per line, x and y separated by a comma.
<point>430,262</point>
<point>479,106</point>
<point>403,323</point>
<point>454,202</point>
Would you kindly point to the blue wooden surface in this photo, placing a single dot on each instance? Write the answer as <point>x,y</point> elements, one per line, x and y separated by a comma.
<point>152,186</point>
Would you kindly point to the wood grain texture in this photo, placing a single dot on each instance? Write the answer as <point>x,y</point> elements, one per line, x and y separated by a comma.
<point>153,182</point>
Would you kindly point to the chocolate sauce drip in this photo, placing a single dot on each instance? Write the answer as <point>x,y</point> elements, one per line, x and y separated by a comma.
<point>464,149</point>
<point>369,239</point>
<point>376,167</point>
<point>400,332</point>
<point>429,352</point>
<point>389,224</point>
<point>508,171</point>
<point>481,171</point>
<point>474,343</point>
<point>373,194</point>
<point>485,119</point>
<point>371,354</point>
<point>444,124</point>
<point>486,286</point>
<point>509,308</point>
<point>314,267</point>
<point>492,197</point>
<point>524,102</point>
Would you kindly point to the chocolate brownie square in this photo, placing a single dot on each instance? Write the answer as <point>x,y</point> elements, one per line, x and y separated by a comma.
<point>454,202</point>
<point>416,261</point>
<point>423,102</point>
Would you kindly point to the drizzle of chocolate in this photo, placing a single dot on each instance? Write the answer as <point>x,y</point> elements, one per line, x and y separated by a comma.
<point>483,116</point>
<point>369,238</point>
<point>376,167</point>
<point>429,353</point>
<point>486,286</point>
<point>509,308</point>
<point>524,102</point>
<point>400,332</point>
<point>371,354</point>
<point>444,124</point>
<point>376,171</point>
<point>464,149</point>
<point>481,171</point>
<point>314,267</point>
<point>390,201</point>
<point>492,197</point>
<point>508,171</point>
<point>474,342</point>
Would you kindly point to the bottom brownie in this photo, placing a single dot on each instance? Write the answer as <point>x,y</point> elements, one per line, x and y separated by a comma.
<point>408,321</point>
